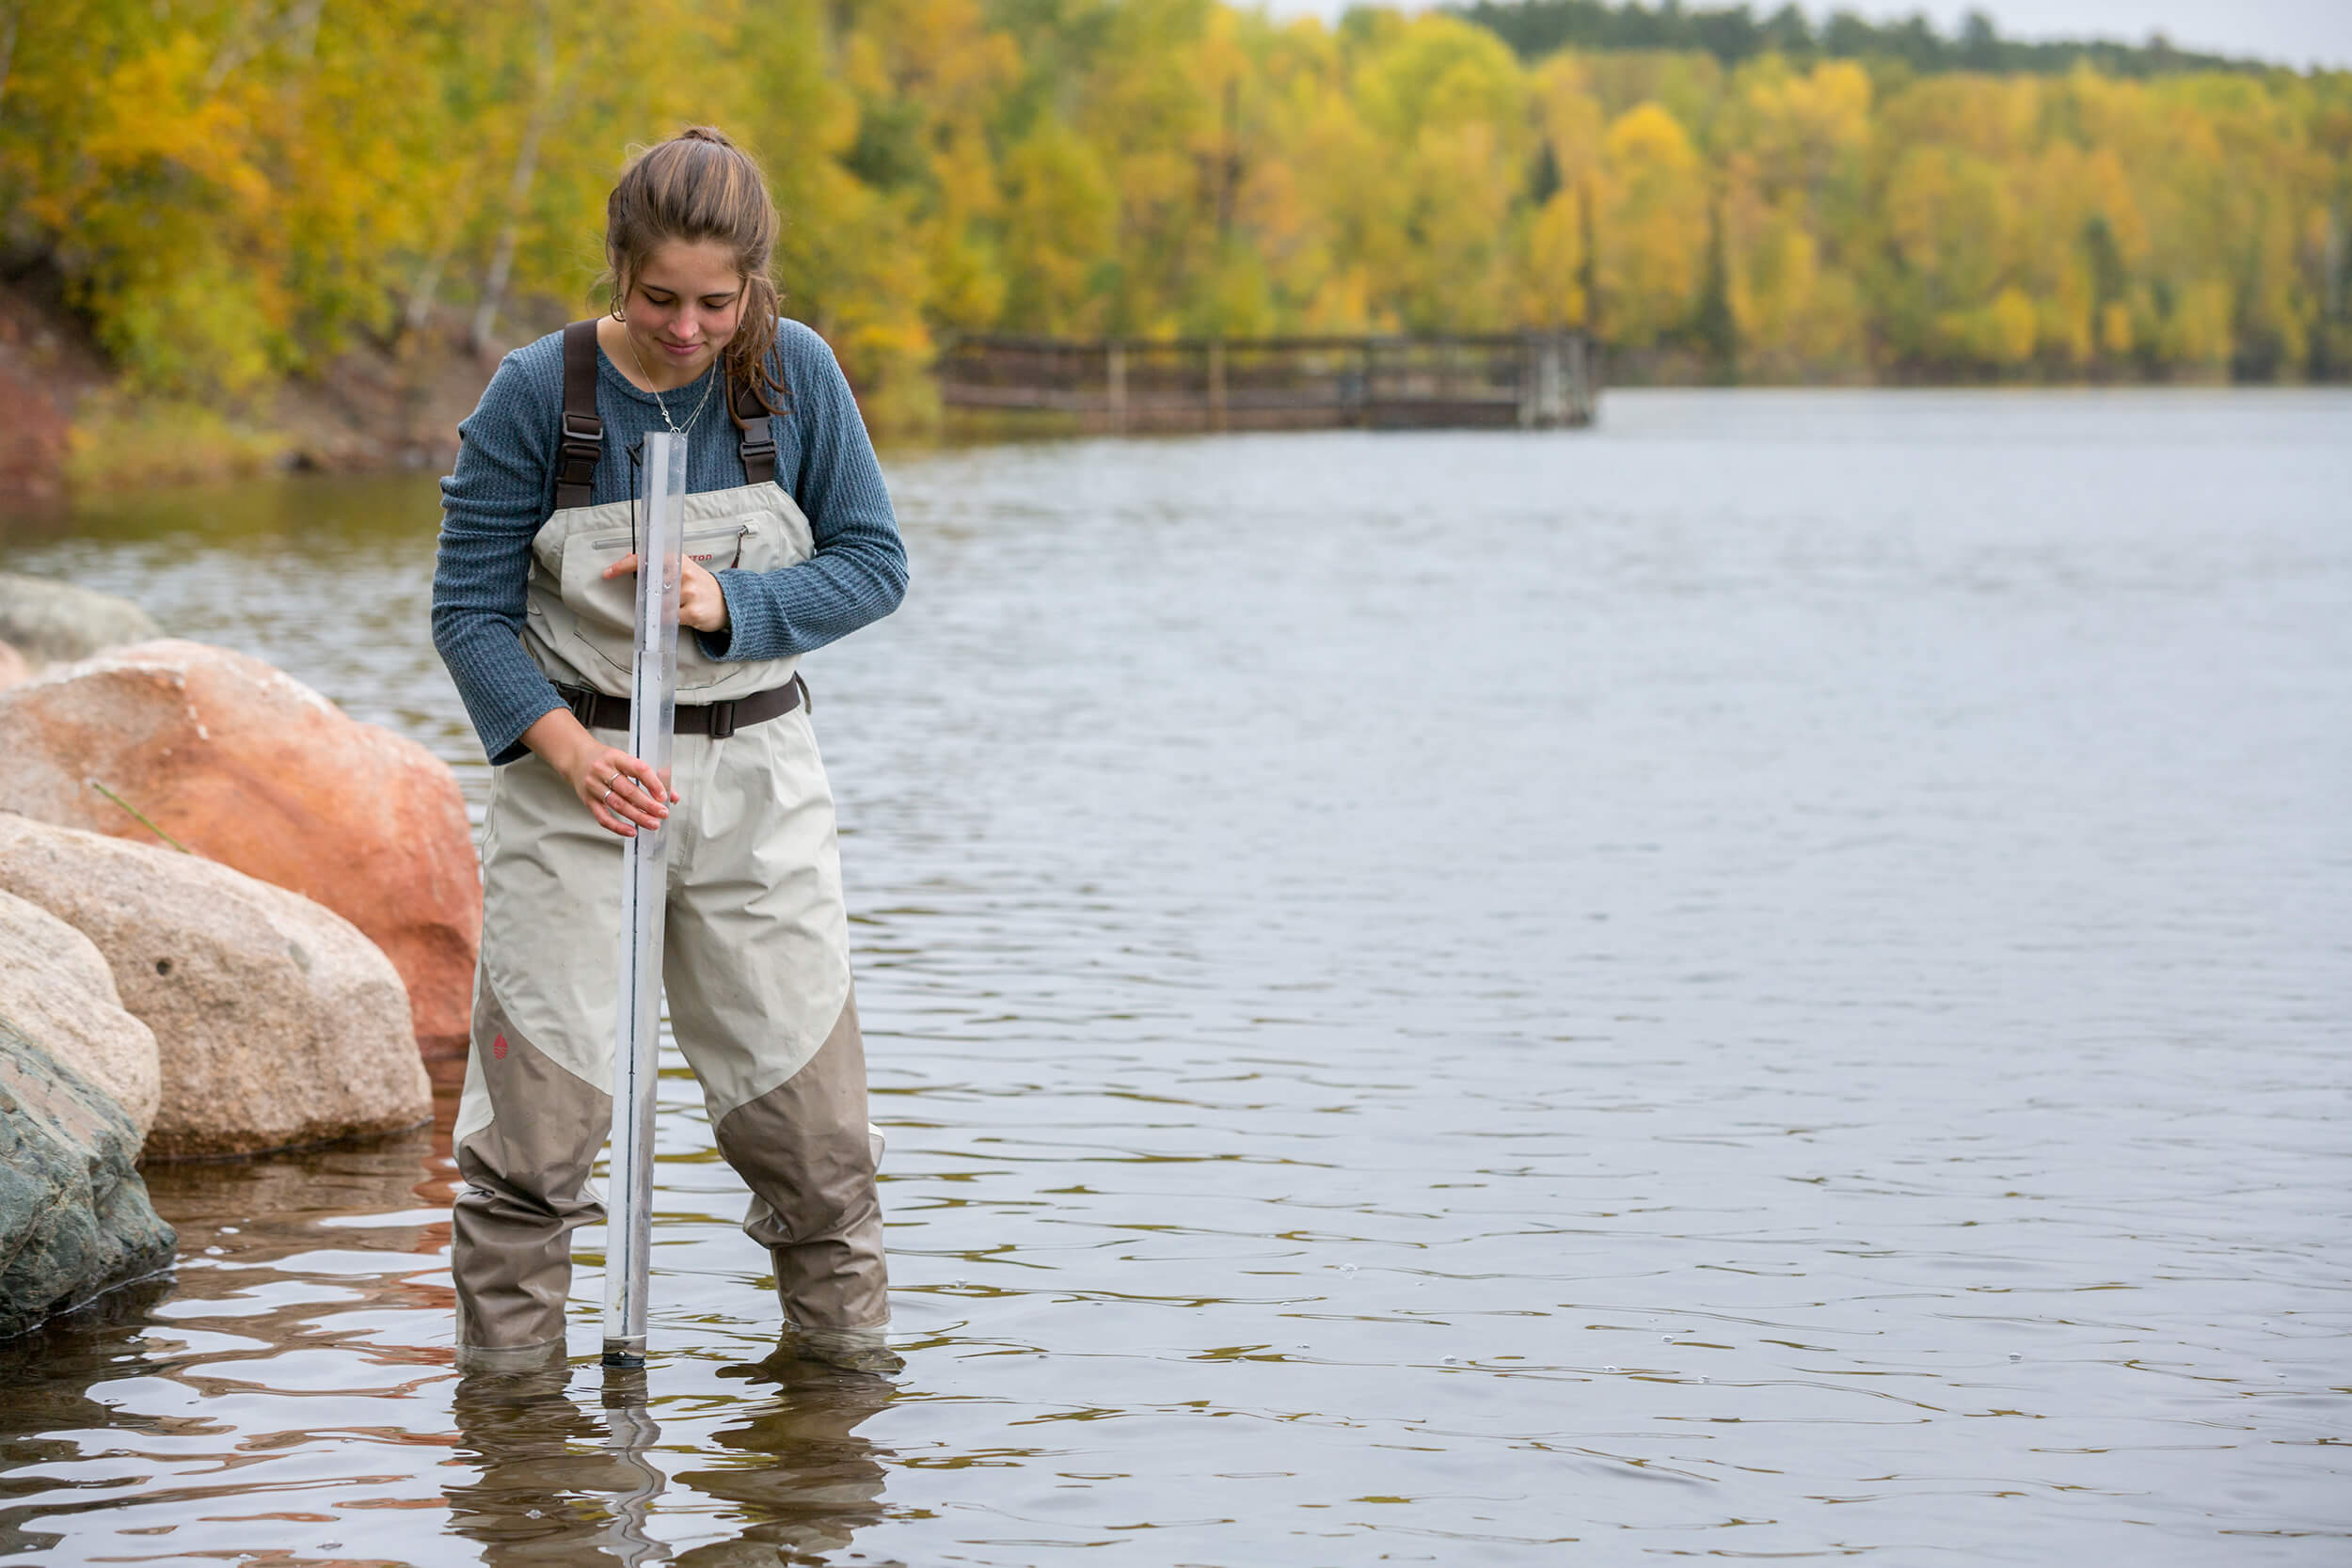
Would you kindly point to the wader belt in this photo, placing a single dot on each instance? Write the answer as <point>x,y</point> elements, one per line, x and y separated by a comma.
<point>715,720</point>
<point>583,428</point>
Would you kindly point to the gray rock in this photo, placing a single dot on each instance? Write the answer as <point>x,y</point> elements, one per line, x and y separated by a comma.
<point>54,622</point>
<point>279,1024</point>
<point>74,1218</point>
<point>57,989</point>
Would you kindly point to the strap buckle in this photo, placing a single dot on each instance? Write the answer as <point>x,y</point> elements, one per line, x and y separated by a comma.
<point>577,453</point>
<point>721,719</point>
<point>760,461</point>
<point>582,701</point>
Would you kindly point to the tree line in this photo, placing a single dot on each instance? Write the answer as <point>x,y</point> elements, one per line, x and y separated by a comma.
<point>232,191</point>
<point>1737,33</point>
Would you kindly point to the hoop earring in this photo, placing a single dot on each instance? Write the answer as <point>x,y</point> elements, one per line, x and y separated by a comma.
<point>617,311</point>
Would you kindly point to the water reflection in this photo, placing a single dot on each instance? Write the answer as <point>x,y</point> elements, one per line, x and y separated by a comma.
<point>631,1432</point>
<point>804,1480</point>
<point>55,1382</point>
<point>543,1486</point>
<point>297,520</point>
<point>556,1483</point>
<point>553,1483</point>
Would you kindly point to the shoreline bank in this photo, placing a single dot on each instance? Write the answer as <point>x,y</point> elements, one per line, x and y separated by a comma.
<point>71,429</point>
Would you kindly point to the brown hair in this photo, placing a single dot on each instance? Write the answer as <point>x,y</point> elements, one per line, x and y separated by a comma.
<point>699,185</point>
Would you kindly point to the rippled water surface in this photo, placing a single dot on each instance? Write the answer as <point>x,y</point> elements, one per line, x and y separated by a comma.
<point>1768,980</point>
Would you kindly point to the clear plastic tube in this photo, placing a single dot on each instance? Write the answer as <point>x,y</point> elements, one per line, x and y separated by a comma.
<point>645,878</point>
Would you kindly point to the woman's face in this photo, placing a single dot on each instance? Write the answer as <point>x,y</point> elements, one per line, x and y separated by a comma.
<point>682,308</point>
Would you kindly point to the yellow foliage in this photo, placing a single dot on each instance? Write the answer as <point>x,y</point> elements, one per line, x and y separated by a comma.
<point>1571,117</point>
<point>1653,225</point>
<point>2115,327</point>
<point>2009,326</point>
<point>1438,71</point>
<point>1060,217</point>
<point>1552,293</point>
<point>1796,130</point>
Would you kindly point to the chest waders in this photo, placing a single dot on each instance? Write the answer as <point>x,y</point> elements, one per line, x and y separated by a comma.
<point>755,958</point>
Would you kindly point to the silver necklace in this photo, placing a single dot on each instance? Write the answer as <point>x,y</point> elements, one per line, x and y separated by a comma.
<point>697,414</point>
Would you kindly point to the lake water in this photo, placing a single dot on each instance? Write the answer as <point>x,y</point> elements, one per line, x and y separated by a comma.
<point>1766,980</point>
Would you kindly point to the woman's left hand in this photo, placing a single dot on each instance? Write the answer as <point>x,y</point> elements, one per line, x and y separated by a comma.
<point>700,604</point>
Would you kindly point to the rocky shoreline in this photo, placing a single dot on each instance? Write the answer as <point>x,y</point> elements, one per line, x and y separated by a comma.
<point>232,920</point>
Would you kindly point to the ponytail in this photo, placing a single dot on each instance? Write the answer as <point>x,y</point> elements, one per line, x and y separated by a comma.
<point>700,186</point>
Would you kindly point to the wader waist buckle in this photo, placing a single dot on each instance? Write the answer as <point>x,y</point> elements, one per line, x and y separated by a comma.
<point>715,720</point>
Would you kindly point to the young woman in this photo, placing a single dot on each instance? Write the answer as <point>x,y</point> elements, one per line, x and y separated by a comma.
<point>791,543</point>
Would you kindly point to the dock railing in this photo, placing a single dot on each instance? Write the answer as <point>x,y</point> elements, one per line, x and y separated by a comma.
<point>1530,380</point>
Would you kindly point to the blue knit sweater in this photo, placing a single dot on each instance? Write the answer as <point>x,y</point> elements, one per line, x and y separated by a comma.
<point>504,490</point>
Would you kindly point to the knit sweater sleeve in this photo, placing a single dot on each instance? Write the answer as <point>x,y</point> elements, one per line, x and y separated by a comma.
<point>858,574</point>
<point>492,505</point>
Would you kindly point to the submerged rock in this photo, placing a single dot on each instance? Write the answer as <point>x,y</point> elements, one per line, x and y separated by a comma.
<point>55,987</point>
<point>279,1024</point>
<point>75,1217</point>
<point>54,623</point>
<point>244,764</point>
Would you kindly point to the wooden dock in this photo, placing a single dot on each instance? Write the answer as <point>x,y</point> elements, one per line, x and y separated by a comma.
<point>1524,380</point>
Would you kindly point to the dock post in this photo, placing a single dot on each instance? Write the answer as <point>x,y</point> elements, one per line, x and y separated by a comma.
<point>1116,373</point>
<point>1542,399</point>
<point>1216,383</point>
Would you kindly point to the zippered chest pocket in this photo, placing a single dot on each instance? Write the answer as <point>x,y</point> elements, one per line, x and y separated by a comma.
<point>716,549</point>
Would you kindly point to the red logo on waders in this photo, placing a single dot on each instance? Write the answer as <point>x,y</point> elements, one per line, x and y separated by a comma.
<point>497,1048</point>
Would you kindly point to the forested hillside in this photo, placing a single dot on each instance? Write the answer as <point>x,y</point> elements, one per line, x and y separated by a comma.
<point>234,190</point>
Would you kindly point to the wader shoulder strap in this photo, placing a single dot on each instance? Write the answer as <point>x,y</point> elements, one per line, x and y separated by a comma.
<point>583,431</point>
<point>750,424</point>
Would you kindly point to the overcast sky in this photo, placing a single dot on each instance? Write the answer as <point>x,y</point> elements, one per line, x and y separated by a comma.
<point>2298,32</point>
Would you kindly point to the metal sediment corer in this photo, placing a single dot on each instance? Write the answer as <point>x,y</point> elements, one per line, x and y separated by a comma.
<point>645,878</point>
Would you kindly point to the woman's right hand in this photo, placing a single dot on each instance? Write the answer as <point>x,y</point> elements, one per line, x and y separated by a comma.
<point>620,791</point>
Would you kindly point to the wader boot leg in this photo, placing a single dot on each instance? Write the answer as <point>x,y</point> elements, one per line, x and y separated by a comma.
<point>526,1191</point>
<point>805,1152</point>
<point>758,972</point>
